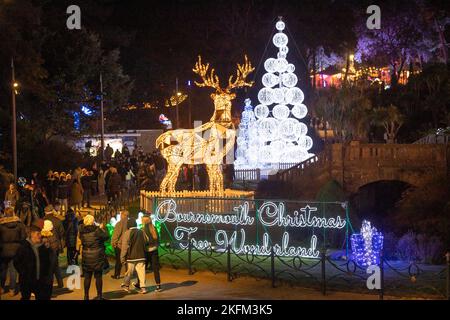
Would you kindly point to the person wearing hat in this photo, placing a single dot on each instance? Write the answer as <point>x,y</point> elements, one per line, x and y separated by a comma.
<point>34,262</point>
<point>59,236</point>
<point>93,259</point>
<point>50,240</point>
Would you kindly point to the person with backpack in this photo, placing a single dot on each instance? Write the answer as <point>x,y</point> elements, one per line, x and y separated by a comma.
<point>133,254</point>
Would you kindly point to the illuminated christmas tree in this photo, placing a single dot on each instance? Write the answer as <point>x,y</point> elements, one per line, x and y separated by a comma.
<point>279,136</point>
<point>246,137</point>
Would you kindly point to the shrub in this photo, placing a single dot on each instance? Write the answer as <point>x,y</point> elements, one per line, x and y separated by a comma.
<point>420,247</point>
<point>406,247</point>
<point>429,249</point>
<point>390,245</point>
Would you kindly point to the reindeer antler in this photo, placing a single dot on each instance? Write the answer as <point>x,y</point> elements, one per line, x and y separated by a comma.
<point>242,72</point>
<point>208,81</point>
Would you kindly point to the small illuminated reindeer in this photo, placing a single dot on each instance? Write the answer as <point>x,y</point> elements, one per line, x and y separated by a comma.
<point>204,144</point>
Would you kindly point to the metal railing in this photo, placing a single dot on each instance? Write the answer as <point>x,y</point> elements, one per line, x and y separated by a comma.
<point>323,274</point>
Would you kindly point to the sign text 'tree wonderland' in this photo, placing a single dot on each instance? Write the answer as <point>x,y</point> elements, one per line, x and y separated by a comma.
<point>271,215</point>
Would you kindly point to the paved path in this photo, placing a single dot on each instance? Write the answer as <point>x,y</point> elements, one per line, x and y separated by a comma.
<point>177,284</point>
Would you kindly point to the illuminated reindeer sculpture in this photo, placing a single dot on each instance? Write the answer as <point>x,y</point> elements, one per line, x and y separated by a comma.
<point>209,143</point>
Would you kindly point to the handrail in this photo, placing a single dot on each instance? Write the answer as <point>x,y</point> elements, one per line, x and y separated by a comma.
<point>301,165</point>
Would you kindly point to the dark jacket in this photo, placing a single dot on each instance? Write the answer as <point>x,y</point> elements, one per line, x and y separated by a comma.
<point>53,243</point>
<point>93,248</point>
<point>58,228</point>
<point>63,190</point>
<point>133,246</point>
<point>12,233</point>
<point>71,230</point>
<point>119,230</point>
<point>76,195</point>
<point>86,182</point>
<point>114,183</point>
<point>25,264</point>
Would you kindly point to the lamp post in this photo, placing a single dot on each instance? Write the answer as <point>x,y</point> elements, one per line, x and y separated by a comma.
<point>190,106</point>
<point>14,86</point>
<point>176,97</point>
<point>103,119</point>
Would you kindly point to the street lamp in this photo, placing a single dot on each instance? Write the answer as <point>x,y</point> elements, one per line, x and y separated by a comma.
<point>176,97</point>
<point>14,91</point>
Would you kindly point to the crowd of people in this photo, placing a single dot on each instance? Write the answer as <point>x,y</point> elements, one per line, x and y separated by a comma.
<point>41,219</point>
<point>33,253</point>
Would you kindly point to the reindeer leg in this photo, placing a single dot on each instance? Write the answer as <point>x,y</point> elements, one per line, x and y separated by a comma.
<point>175,170</point>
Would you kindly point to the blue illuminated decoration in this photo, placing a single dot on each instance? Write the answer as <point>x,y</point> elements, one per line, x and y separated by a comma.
<point>367,245</point>
<point>165,121</point>
<point>86,110</point>
<point>76,121</point>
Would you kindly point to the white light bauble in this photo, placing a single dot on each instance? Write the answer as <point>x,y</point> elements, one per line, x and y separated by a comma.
<point>264,153</point>
<point>278,95</point>
<point>268,129</point>
<point>261,112</point>
<point>299,111</point>
<point>280,40</point>
<point>305,142</point>
<point>253,154</point>
<point>270,65</point>
<point>289,79</point>
<point>265,96</point>
<point>269,80</point>
<point>281,65</point>
<point>280,111</point>
<point>280,25</point>
<point>290,68</point>
<point>303,128</point>
<point>295,96</point>
<point>240,141</point>
<point>284,50</point>
<point>291,130</point>
<point>281,55</point>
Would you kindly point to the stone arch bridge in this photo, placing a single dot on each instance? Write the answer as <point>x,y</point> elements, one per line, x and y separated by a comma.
<point>358,164</point>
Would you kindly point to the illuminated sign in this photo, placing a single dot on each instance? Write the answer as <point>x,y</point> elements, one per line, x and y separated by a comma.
<point>277,224</point>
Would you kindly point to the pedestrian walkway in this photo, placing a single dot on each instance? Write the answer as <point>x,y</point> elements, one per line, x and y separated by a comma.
<point>177,284</point>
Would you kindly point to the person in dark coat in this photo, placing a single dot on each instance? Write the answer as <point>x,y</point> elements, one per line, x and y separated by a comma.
<point>114,185</point>
<point>86,184</point>
<point>12,232</point>
<point>34,262</point>
<point>71,231</point>
<point>116,241</point>
<point>62,192</point>
<point>76,195</point>
<point>94,259</point>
